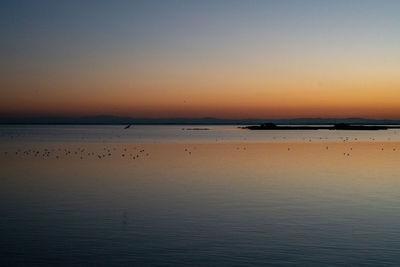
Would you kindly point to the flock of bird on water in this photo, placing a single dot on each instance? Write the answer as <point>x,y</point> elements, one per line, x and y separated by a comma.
<point>81,153</point>
<point>136,152</point>
<point>109,152</point>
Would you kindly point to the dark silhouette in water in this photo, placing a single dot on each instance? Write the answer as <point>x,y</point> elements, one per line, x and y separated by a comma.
<point>128,126</point>
<point>195,129</point>
<point>339,126</point>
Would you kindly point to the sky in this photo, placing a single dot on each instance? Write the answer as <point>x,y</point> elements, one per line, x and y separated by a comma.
<point>225,59</point>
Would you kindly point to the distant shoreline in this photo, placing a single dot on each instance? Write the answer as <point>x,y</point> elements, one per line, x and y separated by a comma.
<point>290,126</point>
<point>117,120</point>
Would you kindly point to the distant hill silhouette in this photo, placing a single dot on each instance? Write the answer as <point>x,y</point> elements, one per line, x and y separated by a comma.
<point>116,120</point>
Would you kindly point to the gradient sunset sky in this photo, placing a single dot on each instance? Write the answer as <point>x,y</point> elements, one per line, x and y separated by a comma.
<point>226,59</point>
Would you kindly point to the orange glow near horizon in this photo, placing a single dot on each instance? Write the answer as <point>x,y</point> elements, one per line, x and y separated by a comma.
<point>368,99</point>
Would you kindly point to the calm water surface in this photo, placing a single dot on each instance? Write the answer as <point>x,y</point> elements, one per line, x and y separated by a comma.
<point>160,195</point>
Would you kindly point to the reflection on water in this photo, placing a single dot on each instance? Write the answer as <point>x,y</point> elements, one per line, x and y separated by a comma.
<point>200,203</point>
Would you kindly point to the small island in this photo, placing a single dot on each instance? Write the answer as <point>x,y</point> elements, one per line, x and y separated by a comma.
<point>339,126</point>
<point>195,129</point>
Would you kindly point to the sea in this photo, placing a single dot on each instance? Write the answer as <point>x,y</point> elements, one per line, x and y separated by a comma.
<point>190,195</point>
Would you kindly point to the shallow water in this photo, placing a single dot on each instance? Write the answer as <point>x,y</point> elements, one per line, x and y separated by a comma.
<point>166,196</point>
